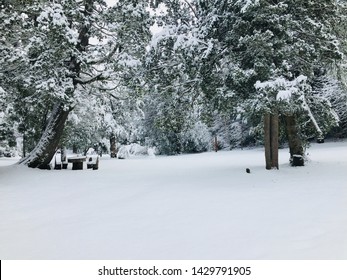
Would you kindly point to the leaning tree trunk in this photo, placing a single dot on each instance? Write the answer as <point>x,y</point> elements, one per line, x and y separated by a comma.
<point>45,149</point>
<point>271,140</point>
<point>296,148</point>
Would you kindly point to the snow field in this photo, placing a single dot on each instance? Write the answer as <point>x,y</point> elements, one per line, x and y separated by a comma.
<point>202,206</point>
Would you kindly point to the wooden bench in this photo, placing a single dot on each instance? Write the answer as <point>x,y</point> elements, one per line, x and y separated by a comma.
<point>77,162</point>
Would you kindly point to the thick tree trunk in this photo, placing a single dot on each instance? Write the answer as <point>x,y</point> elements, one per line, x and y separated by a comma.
<point>296,148</point>
<point>113,148</point>
<point>44,151</point>
<point>271,140</point>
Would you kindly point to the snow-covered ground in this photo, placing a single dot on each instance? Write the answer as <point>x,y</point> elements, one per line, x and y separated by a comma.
<point>202,206</point>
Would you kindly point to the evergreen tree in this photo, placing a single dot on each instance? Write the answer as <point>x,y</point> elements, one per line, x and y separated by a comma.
<point>59,51</point>
<point>334,95</point>
<point>172,105</point>
<point>270,42</point>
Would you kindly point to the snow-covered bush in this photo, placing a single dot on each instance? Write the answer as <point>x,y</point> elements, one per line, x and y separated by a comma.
<point>123,152</point>
<point>126,151</point>
<point>335,92</point>
<point>236,135</point>
<point>197,139</point>
<point>136,149</point>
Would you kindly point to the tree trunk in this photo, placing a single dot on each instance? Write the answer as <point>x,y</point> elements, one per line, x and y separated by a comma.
<point>215,144</point>
<point>296,148</point>
<point>271,140</point>
<point>274,140</point>
<point>113,148</point>
<point>74,148</point>
<point>267,140</point>
<point>44,151</point>
<point>24,145</point>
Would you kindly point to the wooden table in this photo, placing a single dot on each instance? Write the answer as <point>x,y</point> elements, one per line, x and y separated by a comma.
<point>77,162</point>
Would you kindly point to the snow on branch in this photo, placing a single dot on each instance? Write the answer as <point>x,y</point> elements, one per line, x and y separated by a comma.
<point>107,57</point>
<point>98,77</point>
<point>246,4</point>
<point>283,86</point>
<point>182,40</point>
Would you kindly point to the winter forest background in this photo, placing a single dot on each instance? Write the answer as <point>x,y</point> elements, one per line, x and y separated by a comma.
<point>175,76</point>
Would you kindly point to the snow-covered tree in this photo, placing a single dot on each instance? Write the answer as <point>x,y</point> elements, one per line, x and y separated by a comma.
<point>7,133</point>
<point>332,90</point>
<point>242,55</point>
<point>59,51</point>
<point>173,80</point>
<point>261,43</point>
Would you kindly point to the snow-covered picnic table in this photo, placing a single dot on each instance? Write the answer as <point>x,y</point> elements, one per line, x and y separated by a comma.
<point>77,162</point>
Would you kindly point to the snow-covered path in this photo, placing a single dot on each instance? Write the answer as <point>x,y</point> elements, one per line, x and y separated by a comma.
<point>202,206</point>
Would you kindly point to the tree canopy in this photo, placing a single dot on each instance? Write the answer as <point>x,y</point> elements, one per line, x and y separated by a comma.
<point>79,72</point>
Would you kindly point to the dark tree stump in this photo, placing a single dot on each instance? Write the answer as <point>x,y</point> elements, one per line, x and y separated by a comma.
<point>297,160</point>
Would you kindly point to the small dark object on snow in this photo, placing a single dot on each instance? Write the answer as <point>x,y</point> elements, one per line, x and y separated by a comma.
<point>248,170</point>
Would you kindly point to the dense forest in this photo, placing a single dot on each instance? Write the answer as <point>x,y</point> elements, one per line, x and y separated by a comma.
<point>180,76</point>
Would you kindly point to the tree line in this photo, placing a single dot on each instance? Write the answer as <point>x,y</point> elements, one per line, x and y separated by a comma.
<point>236,72</point>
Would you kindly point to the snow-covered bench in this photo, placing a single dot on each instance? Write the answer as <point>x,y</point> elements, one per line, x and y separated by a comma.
<point>57,160</point>
<point>93,162</point>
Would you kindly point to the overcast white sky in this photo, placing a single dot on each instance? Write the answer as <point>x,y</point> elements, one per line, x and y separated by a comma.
<point>110,2</point>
